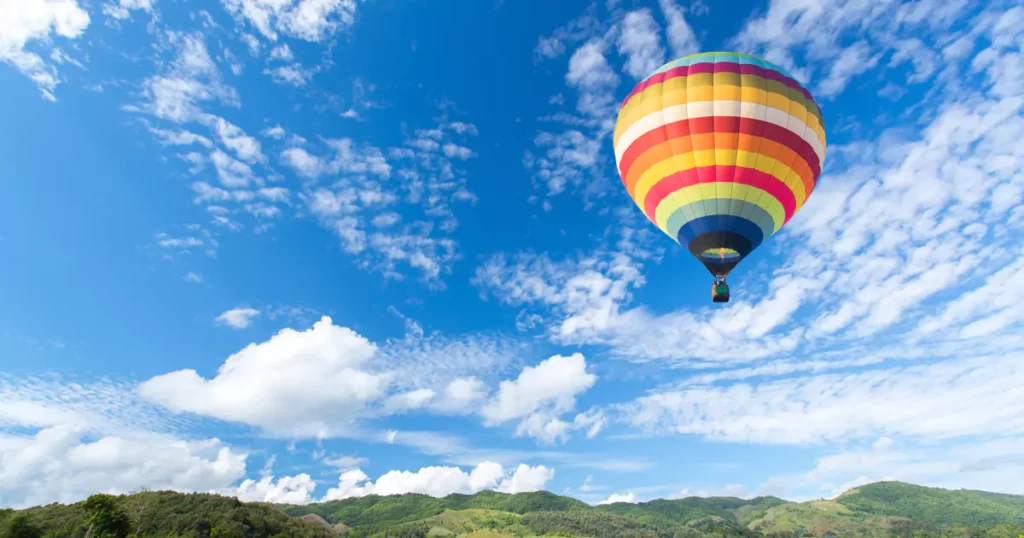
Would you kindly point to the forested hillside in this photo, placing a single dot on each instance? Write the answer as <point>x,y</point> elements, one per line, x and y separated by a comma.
<point>883,510</point>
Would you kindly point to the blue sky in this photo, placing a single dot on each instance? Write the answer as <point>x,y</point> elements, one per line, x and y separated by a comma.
<point>298,250</point>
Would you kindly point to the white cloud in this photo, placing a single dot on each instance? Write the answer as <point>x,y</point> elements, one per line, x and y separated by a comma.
<point>282,52</point>
<point>180,137</point>
<point>361,207</point>
<point>590,72</point>
<point>106,407</point>
<point>59,464</point>
<point>442,481</point>
<point>588,485</point>
<point>986,309</point>
<point>989,464</point>
<point>526,479</point>
<point>852,61</point>
<point>411,400</point>
<point>193,277</point>
<point>936,401</point>
<point>192,78</point>
<point>311,20</point>
<point>640,42</point>
<point>274,194</point>
<point>586,292</point>
<point>348,158</point>
<point>572,156</point>
<point>285,490</point>
<point>539,395</point>
<point>837,40</point>
<point>276,132</point>
<point>184,244</point>
<point>459,367</point>
<point>461,395</point>
<point>549,47</point>
<point>299,383</point>
<point>346,463</point>
<point>123,8</point>
<point>232,173</point>
<point>234,138</point>
<point>302,161</point>
<point>629,497</point>
<point>457,151</point>
<point>680,34</point>
<point>238,318</point>
<point>293,74</point>
<point>25,22</point>
<point>555,381</point>
<point>567,155</point>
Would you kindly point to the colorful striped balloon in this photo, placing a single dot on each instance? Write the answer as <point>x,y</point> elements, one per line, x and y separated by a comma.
<point>719,150</point>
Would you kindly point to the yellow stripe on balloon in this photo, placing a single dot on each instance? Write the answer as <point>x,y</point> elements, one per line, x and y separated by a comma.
<point>747,159</point>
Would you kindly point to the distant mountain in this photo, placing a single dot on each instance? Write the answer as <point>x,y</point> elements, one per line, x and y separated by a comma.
<point>884,509</point>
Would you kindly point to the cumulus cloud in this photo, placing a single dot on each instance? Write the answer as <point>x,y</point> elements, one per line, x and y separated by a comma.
<point>539,395</point>
<point>442,481</point>
<point>629,497</point>
<point>59,464</point>
<point>285,490</point>
<point>555,381</point>
<point>298,383</point>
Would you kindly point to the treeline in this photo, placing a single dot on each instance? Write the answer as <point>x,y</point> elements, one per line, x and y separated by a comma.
<point>678,511</point>
<point>162,514</point>
<point>374,513</point>
<point>599,524</point>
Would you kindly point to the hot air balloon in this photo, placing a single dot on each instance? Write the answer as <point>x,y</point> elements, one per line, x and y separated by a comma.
<point>719,150</point>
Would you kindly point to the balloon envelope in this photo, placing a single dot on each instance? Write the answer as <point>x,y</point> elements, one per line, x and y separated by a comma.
<point>719,150</point>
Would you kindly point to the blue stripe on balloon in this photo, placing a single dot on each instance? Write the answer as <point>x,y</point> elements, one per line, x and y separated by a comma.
<point>719,223</point>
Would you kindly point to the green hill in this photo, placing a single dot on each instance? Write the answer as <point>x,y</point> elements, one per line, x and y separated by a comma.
<point>934,505</point>
<point>880,510</point>
<point>158,514</point>
<point>885,509</point>
<point>671,512</point>
<point>375,513</point>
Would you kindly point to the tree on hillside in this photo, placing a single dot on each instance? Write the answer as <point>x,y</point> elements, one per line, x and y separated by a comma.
<point>104,518</point>
<point>20,526</point>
